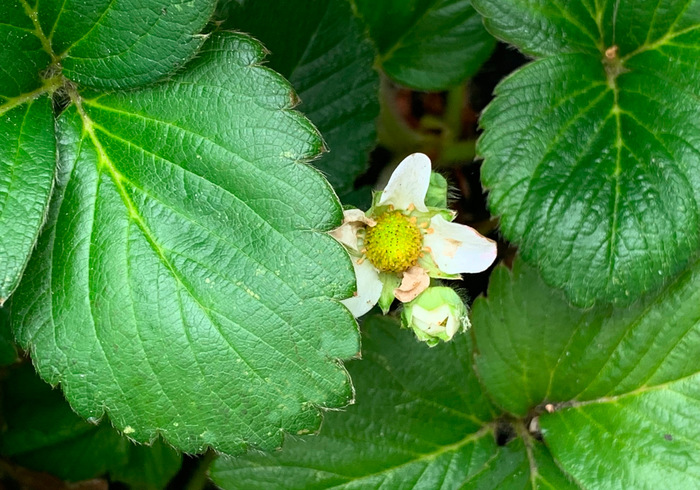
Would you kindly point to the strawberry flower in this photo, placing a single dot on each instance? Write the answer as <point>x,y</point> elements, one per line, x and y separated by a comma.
<point>400,242</point>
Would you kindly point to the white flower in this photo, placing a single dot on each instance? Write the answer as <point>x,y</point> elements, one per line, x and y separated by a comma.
<point>437,314</point>
<point>404,239</point>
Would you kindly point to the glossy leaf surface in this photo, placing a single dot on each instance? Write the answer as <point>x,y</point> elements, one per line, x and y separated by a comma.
<point>27,162</point>
<point>122,43</point>
<point>622,383</point>
<point>421,421</point>
<point>22,55</point>
<point>183,286</point>
<point>521,464</point>
<point>592,154</point>
<point>427,44</point>
<point>322,50</point>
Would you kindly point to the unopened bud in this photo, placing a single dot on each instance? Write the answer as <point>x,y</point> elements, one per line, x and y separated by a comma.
<point>437,314</point>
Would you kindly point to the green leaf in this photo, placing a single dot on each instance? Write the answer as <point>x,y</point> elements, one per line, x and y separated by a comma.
<point>523,329</point>
<point>622,383</point>
<point>119,44</point>
<point>648,439</point>
<point>22,56</point>
<point>549,27</point>
<point>427,44</point>
<point>603,216</point>
<point>421,421</point>
<point>321,49</point>
<point>523,463</point>
<point>389,283</point>
<point>27,162</point>
<point>42,433</point>
<point>183,285</point>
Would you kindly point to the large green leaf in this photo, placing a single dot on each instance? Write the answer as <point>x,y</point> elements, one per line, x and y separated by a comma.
<point>524,331</point>
<point>27,162</point>
<point>592,155</point>
<point>622,383</point>
<point>321,49</point>
<point>648,439</point>
<point>41,432</point>
<point>427,44</point>
<point>522,464</point>
<point>421,421</point>
<point>22,55</point>
<point>183,285</point>
<point>122,43</point>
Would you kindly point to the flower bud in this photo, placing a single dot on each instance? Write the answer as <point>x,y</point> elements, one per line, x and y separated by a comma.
<point>436,197</point>
<point>437,314</point>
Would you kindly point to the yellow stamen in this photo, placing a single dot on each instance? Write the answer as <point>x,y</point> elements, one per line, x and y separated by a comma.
<point>394,243</point>
<point>429,231</point>
<point>410,207</point>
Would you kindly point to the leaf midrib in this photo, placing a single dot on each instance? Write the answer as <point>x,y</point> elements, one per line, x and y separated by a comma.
<point>38,31</point>
<point>175,127</point>
<point>134,215</point>
<point>663,40</point>
<point>278,233</point>
<point>426,458</point>
<point>94,25</point>
<point>49,85</point>
<point>640,448</point>
<point>398,44</point>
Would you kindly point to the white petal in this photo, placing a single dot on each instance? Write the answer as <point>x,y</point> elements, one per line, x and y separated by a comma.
<point>431,322</point>
<point>452,326</point>
<point>369,288</point>
<point>409,183</point>
<point>458,248</point>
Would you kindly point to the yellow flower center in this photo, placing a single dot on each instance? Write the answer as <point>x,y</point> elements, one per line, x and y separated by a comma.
<point>394,243</point>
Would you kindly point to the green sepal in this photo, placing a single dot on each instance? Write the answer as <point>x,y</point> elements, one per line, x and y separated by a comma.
<point>449,215</point>
<point>427,263</point>
<point>390,282</point>
<point>436,196</point>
